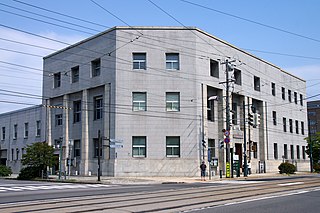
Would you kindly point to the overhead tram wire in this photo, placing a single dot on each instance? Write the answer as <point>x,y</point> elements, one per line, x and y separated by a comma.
<point>61,14</point>
<point>43,16</point>
<point>252,21</point>
<point>101,25</point>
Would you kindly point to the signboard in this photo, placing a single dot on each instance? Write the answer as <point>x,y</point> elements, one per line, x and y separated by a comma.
<point>228,170</point>
<point>227,140</point>
<point>116,146</point>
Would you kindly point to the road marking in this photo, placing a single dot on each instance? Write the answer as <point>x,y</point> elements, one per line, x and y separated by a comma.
<point>290,184</point>
<point>48,187</point>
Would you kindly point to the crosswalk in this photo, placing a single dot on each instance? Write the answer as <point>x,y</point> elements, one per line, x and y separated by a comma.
<point>13,188</point>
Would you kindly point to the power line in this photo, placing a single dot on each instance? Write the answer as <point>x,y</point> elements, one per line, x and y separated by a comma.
<point>252,21</point>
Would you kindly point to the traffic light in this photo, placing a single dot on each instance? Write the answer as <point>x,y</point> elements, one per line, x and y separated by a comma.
<point>221,144</point>
<point>256,119</point>
<point>204,143</point>
<point>250,119</point>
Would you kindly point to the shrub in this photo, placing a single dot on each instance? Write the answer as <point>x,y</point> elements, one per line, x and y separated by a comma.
<point>28,173</point>
<point>316,167</point>
<point>287,168</point>
<point>5,171</point>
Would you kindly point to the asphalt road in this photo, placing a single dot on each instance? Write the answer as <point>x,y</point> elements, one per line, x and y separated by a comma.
<point>294,203</point>
<point>289,194</point>
<point>12,191</point>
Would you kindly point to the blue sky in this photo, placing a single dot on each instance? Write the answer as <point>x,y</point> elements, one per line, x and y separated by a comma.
<point>253,30</point>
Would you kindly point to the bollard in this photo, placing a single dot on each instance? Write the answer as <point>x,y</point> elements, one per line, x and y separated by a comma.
<point>220,174</point>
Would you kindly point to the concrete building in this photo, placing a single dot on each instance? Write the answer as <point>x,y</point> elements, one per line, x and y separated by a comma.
<point>19,129</point>
<point>314,116</point>
<point>155,95</point>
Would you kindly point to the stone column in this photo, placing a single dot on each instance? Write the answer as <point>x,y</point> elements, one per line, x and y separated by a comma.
<point>106,121</point>
<point>48,120</point>
<point>84,165</point>
<point>65,131</point>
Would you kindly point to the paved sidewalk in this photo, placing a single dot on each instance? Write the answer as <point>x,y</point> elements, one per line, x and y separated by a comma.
<point>160,180</point>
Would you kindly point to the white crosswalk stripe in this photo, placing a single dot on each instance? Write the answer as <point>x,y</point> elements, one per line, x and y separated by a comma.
<point>51,187</point>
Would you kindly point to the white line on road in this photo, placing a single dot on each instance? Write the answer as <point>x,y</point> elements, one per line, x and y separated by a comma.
<point>289,184</point>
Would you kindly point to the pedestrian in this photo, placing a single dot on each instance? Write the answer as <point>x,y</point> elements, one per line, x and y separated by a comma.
<point>203,168</point>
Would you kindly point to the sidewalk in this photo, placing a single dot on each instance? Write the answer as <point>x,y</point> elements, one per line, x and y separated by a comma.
<point>159,180</point>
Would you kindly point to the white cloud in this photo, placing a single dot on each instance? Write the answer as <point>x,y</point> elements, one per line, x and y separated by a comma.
<point>20,79</point>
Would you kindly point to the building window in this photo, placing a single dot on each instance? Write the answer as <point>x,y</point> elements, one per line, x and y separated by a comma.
<point>17,153</point>
<point>301,99</point>
<point>76,148</point>
<point>3,136</point>
<point>95,67</point>
<point>26,130</point>
<point>139,146</point>
<point>292,151</point>
<point>289,96</point>
<point>234,116</point>
<point>172,61</point>
<point>298,152</point>
<point>15,131</point>
<point>283,90</point>
<point>295,96</point>
<point>139,101</point>
<point>12,154</point>
<point>38,130</point>
<point>256,83</point>
<point>75,74</point>
<point>237,76</point>
<point>212,147</point>
<point>255,149</point>
<point>76,111</point>
<point>98,107</point>
<point>274,117</point>
<point>290,126</point>
<point>273,89</point>
<point>297,126</point>
<point>172,146</point>
<point>284,124</point>
<point>275,151</point>
<point>302,127</point>
<point>96,148</point>
<point>57,80</point>
<point>214,68</point>
<point>285,151</point>
<point>303,152</point>
<point>173,101</point>
<point>58,119</point>
<point>210,110</point>
<point>139,61</point>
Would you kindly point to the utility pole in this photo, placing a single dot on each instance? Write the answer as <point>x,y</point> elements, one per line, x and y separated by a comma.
<point>227,139</point>
<point>99,151</point>
<point>245,174</point>
<point>310,144</point>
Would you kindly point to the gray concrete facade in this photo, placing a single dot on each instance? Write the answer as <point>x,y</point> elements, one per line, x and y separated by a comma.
<point>159,92</point>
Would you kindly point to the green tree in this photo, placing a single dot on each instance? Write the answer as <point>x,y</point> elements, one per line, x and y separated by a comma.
<point>39,156</point>
<point>315,142</point>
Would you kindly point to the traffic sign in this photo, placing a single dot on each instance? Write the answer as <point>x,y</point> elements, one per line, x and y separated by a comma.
<point>228,169</point>
<point>227,140</point>
<point>116,146</point>
<point>226,133</point>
